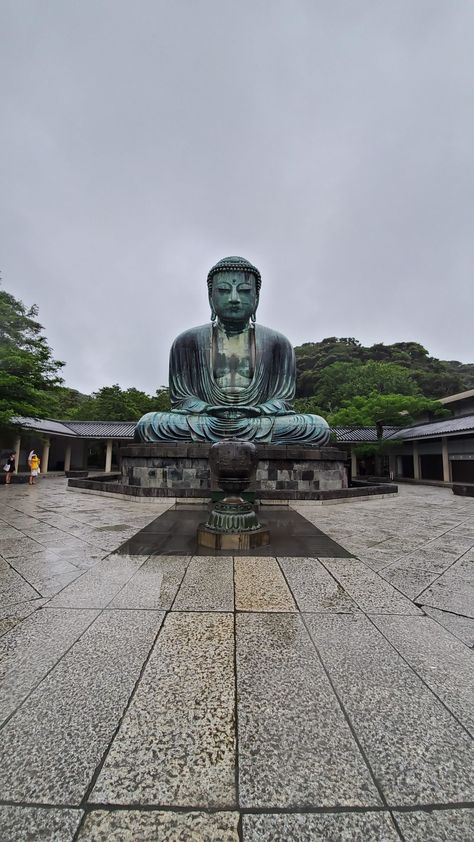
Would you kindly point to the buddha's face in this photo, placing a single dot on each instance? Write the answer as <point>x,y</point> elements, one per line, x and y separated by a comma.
<point>234,296</point>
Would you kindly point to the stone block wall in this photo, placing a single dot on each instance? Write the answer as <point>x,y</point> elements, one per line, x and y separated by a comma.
<point>281,471</point>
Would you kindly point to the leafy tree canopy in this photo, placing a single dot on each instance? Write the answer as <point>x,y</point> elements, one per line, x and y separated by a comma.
<point>367,410</point>
<point>433,378</point>
<point>111,403</point>
<point>29,375</point>
<point>343,380</point>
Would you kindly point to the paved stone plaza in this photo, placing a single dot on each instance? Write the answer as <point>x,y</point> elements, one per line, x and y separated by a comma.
<point>219,699</point>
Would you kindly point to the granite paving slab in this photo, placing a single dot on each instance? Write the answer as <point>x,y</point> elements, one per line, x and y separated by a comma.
<point>12,615</point>
<point>51,746</point>
<point>437,825</point>
<point>51,585</point>
<point>100,584</point>
<point>207,586</point>
<point>452,591</point>
<point>371,593</point>
<point>314,588</point>
<point>408,581</point>
<point>375,563</point>
<point>37,824</point>
<point>176,747</point>
<point>452,542</point>
<point>295,747</point>
<point>303,827</point>
<point>260,586</point>
<point>419,753</point>
<point>14,589</point>
<point>159,826</point>
<point>427,559</point>
<point>12,547</point>
<point>461,627</point>
<point>41,566</point>
<point>154,585</point>
<point>30,650</point>
<point>442,661</point>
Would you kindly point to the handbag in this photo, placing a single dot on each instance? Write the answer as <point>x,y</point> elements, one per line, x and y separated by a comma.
<point>6,467</point>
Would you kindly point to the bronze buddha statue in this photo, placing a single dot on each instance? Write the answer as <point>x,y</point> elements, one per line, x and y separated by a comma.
<point>232,378</point>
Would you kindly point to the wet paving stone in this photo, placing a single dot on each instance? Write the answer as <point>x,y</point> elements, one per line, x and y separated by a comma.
<point>368,590</point>
<point>314,588</point>
<point>207,586</point>
<point>295,747</point>
<point>37,824</point>
<point>159,826</point>
<point>176,747</point>
<point>437,825</point>
<point>260,586</point>
<point>460,627</point>
<point>51,746</point>
<point>419,753</point>
<point>30,650</point>
<point>442,661</point>
<point>296,760</point>
<point>154,585</point>
<point>297,827</point>
<point>98,586</point>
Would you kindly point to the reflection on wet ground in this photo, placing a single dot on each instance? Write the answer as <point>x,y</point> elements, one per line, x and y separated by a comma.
<point>174,533</point>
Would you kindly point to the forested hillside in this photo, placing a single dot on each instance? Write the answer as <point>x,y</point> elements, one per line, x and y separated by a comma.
<point>334,370</point>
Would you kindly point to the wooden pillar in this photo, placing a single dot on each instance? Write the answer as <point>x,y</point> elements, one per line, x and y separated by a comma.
<point>45,457</point>
<point>108,457</point>
<point>446,463</point>
<point>416,461</point>
<point>353,464</point>
<point>17,453</point>
<point>67,457</point>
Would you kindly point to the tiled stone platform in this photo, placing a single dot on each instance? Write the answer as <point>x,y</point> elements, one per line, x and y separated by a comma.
<point>236,698</point>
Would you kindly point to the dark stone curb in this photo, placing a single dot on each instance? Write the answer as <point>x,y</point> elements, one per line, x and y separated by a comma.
<point>112,487</point>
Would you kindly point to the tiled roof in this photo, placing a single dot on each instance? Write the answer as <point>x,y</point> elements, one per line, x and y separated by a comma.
<point>461,396</point>
<point>44,425</point>
<point>125,429</point>
<point>103,429</point>
<point>79,429</point>
<point>361,434</point>
<point>434,429</point>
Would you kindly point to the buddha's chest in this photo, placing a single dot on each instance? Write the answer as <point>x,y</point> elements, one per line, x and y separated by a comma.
<point>232,362</point>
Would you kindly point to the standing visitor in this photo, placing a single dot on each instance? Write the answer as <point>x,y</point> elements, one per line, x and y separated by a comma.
<point>34,462</point>
<point>9,468</point>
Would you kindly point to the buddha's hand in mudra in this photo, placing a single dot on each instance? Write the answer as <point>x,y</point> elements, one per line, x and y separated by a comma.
<point>234,412</point>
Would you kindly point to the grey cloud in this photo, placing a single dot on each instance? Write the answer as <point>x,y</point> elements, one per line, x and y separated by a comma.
<point>329,142</point>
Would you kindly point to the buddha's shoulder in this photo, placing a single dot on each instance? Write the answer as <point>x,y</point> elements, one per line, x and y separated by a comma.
<point>271,335</point>
<point>192,334</point>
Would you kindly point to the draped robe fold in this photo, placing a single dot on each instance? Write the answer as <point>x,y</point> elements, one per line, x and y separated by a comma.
<point>193,390</point>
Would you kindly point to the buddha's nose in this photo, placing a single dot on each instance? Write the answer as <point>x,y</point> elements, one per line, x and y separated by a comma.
<point>235,298</point>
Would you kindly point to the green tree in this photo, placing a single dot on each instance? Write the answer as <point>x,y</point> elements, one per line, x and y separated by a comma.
<point>29,375</point>
<point>434,378</point>
<point>111,403</point>
<point>342,381</point>
<point>397,410</point>
<point>68,402</point>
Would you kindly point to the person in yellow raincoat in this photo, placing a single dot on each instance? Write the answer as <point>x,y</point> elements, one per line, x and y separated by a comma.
<point>34,462</point>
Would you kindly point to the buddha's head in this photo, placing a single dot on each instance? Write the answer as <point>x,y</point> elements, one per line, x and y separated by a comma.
<point>234,288</point>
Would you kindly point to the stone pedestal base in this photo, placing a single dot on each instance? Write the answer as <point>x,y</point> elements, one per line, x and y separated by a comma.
<point>232,540</point>
<point>182,470</point>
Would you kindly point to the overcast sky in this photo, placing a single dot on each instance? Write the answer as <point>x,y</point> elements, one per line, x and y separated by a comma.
<point>329,142</point>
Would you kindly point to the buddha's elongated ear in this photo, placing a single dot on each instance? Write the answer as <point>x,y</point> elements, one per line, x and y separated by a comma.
<point>253,317</point>
<point>213,314</point>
